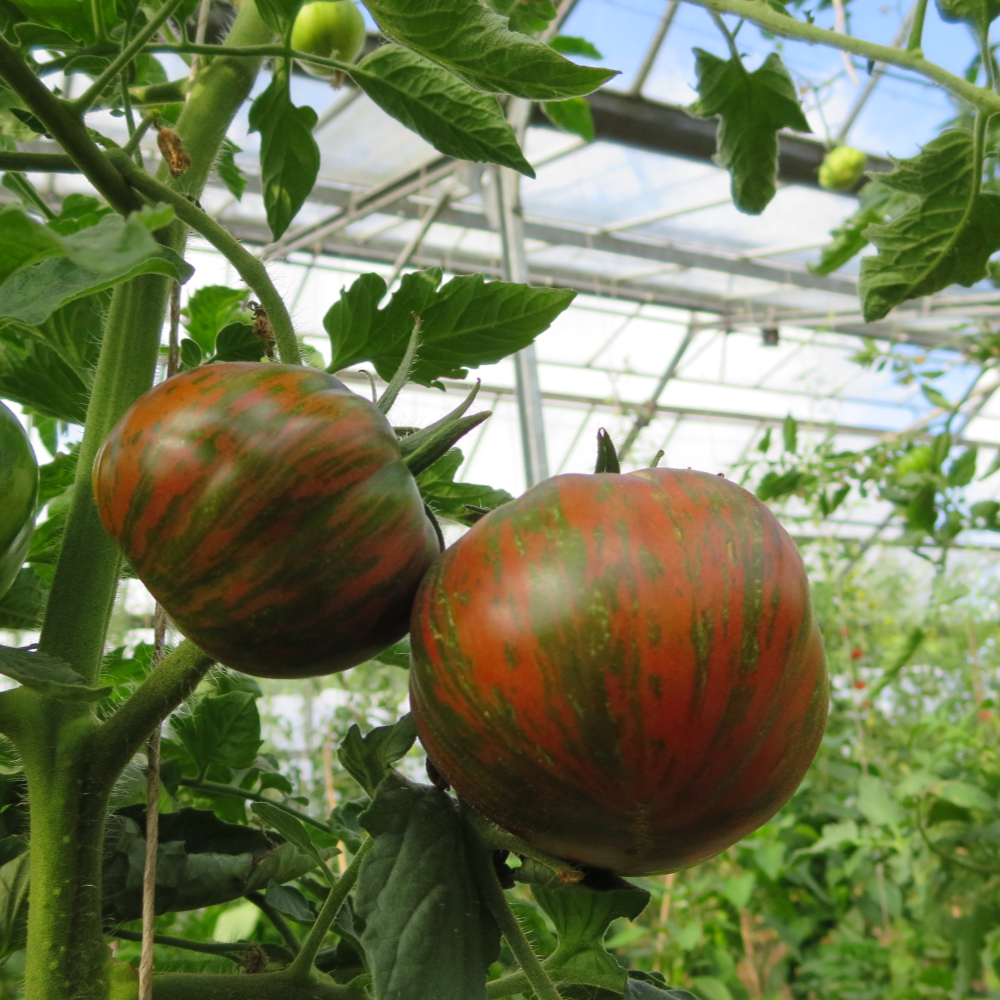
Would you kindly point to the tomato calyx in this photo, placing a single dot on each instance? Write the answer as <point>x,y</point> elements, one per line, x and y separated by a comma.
<point>421,449</point>
<point>607,456</point>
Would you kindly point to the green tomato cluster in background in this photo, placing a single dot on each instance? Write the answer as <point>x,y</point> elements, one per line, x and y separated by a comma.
<point>842,168</point>
<point>19,489</point>
<point>333,29</point>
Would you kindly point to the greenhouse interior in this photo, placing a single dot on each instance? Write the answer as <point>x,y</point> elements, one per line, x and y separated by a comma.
<point>699,337</point>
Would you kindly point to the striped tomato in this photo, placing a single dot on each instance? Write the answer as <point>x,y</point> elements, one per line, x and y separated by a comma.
<point>267,508</point>
<point>623,670</point>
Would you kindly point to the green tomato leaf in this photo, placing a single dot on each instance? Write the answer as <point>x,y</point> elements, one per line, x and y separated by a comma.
<point>572,115</point>
<point>208,310</point>
<point>397,655</point>
<point>289,902</point>
<point>22,607</point>
<point>279,15</point>
<point>23,241</point>
<point>963,469</point>
<point>14,885</point>
<point>294,832</point>
<point>34,375</point>
<point>527,16</point>
<point>878,204</point>
<point>220,730</point>
<point>652,986</point>
<point>453,117</point>
<point>47,675</point>
<point>475,44</point>
<point>368,758</point>
<point>428,932</point>
<point>570,45</point>
<point>451,500</point>
<point>876,804</point>
<point>201,861</point>
<point>34,293</point>
<point>935,398</point>
<point>351,320</point>
<point>68,17</point>
<point>944,238</point>
<point>114,246</point>
<point>289,156</point>
<point>979,13</point>
<point>582,917</point>
<point>229,173</point>
<point>238,342</point>
<point>753,107</point>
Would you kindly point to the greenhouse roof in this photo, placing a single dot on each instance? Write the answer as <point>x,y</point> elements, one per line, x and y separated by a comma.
<point>703,324</point>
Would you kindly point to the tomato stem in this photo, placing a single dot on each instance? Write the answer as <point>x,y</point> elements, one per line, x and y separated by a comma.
<point>384,403</point>
<point>301,967</point>
<point>250,268</point>
<point>496,900</point>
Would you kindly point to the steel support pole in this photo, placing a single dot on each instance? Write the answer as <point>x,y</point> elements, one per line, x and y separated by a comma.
<point>507,187</point>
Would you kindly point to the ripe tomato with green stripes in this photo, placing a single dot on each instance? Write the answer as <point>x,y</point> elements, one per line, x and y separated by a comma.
<point>622,670</point>
<point>268,509</point>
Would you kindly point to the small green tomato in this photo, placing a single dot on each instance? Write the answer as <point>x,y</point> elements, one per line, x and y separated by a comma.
<point>333,29</point>
<point>842,168</point>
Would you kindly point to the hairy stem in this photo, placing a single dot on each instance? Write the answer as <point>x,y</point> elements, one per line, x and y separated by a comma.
<point>301,967</point>
<point>230,949</point>
<point>510,928</point>
<point>119,738</point>
<point>250,268</point>
<point>730,38</point>
<point>47,163</point>
<point>67,128</point>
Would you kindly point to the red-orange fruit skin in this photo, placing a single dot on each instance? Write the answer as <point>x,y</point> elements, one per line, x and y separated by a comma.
<point>623,670</point>
<point>268,509</point>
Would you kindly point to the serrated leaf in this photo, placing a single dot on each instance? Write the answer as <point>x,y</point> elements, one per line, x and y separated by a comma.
<point>979,13</point>
<point>571,45</point>
<point>23,241</point>
<point>34,293</point>
<point>47,675</point>
<point>202,861</point>
<point>572,115</point>
<point>229,173</point>
<point>582,917</point>
<point>944,238</point>
<point>465,324</point>
<point>220,730</point>
<point>451,500</point>
<point>877,205</point>
<point>368,758</point>
<point>753,107</point>
<point>475,44</point>
<point>415,888</point>
<point>963,469</point>
<point>293,831</point>
<point>22,607</point>
<point>208,310</point>
<point>289,156</point>
<point>289,902</point>
<point>453,117</point>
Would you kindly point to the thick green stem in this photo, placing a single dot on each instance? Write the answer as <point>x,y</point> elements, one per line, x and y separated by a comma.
<point>250,268</point>
<point>82,104</point>
<point>83,590</point>
<point>67,128</point>
<point>71,771</point>
<point>49,163</point>
<point>510,928</point>
<point>230,949</point>
<point>265,986</point>
<point>301,967</point>
<point>783,24</point>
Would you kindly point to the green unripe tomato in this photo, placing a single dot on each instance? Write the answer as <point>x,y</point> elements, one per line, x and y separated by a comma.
<point>19,490</point>
<point>917,459</point>
<point>333,29</point>
<point>842,168</point>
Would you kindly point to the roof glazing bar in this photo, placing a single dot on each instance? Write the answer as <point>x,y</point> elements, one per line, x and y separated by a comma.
<point>654,48</point>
